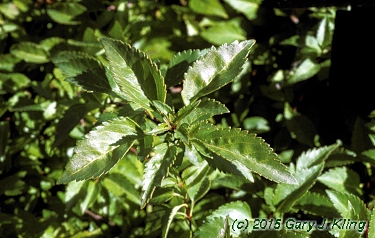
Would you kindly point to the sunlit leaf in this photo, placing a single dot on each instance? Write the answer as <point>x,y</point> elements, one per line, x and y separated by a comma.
<point>98,153</point>
<point>215,69</point>
<point>244,151</point>
<point>208,7</point>
<point>138,79</point>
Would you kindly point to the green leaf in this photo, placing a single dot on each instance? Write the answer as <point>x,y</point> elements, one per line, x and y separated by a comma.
<point>208,7</point>
<point>4,136</point>
<point>304,71</point>
<point>248,7</point>
<point>98,153</point>
<point>235,211</point>
<point>121,187</point>
<point>244,151</point>
<point>167,225</point>
<point>316,204</point>
<point>138,79</point>
<point>30,52</point>
<point>83,70</point>
<point>156,169</point>
<point>342,179</point>
<point>288,194</point>
<point>200,111</point>
<point>371,224</point>
<point>224,32</point>
<point>214,70</point>
<point>225,232</point>
<point>256,124</point>
<point>340,202</point>
<point>179,64</point>
<point>71,118</point>
<point>65,12</point>
<point>91,194</point>
<point>315,156</point>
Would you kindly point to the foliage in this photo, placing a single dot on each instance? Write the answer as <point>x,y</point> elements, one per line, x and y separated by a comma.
<point>113,125</point>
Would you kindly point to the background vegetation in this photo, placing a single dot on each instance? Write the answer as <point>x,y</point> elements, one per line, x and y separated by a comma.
<point>43,114</point>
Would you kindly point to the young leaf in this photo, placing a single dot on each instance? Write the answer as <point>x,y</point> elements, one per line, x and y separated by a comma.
<point>98,153</point>
<point>342,179</point>
<point>138,79</point>
<point>215,69</point>
<point>30,52</point>
<point>340,202</point>
<point>287,194</point>
<point>199,111</point>
<point>315,156</point>
<point>156,169</point>
<point>179,64</point>
<point>121,187</point>
<point>244,151</point>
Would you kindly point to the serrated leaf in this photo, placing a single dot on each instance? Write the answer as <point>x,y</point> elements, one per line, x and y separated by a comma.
<point>83,70</point>
<point>282,233</point>
<point>371,224</point>
<point>30,52</point>
<point>208,7</point>
<point>197,191</point>
<point>315,156</point>
<point>199,111</point>
<point>156,169</point>
<point>316,204</point>
<point>211,229</point>
<point>225,231</point>
<point>138,79</point>
<point>179,64</point>
<point>235,211</point>
<point>98,153</point>
<point>340,202</point>
<point>342,179</point>
<point>244,151</point>
<point>215,69</point>
<point>288,194</point>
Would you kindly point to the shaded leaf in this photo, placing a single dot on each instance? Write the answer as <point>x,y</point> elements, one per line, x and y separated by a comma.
<point>137,78</point>
<point>342,179</point>
<point>83,70</point>
<point>98,153</point>
<point>65,12</point>
<point>156,169</point>
<point>214,70</point>
<point>340,202</point>
<point>316,204</point>
<point>248,7</point>
<point>121,187</point>
<point>288,194</point>
<point>167,224</point>
<point>304,71</point>
<point>179,64</point>
<point>30,52</point>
